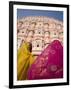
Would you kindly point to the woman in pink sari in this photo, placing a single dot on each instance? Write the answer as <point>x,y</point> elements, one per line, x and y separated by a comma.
<point>49,64</point>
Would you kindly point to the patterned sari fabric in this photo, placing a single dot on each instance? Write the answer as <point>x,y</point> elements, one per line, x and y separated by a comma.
<point>49,64</point>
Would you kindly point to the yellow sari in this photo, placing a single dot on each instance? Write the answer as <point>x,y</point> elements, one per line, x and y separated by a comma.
<point>24,61</point>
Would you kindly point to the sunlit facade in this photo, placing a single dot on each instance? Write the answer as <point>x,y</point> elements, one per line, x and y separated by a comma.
<point>40,31</point>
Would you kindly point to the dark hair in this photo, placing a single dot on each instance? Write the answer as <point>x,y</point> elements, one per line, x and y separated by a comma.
<point>30,47</point>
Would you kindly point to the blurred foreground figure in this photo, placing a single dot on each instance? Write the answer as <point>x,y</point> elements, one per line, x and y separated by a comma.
<point>49,64</point>
<point>24,60</point>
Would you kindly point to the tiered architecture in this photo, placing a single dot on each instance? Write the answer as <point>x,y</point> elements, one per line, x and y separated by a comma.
<point>40,31</point>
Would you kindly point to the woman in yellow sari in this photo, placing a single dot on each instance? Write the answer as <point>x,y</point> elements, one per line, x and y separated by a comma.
<point>24,60</point>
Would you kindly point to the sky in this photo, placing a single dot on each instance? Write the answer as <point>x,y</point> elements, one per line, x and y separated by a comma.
<point>28,12</point>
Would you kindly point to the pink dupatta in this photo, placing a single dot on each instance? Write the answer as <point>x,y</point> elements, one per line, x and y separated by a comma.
<point>49,64</point>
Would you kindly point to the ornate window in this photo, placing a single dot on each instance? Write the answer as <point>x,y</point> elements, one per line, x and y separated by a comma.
<point>52,25</point>
<point>58,26</point>
<point>46,25</point>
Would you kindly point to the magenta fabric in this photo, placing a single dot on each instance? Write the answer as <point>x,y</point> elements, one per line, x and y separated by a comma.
<point>49,64</point>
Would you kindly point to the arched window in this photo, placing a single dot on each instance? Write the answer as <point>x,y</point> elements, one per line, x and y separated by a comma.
<point>46,25</point>
<point>58,26</point>
<point>52,25</point>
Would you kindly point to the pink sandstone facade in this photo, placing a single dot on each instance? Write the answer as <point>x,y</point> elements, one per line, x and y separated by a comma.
<point>40,31</point>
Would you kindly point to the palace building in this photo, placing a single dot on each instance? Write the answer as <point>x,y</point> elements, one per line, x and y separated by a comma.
<point>40,31</point>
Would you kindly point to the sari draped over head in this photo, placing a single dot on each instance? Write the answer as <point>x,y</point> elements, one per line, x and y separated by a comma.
<point>24,61</point>
<point>49,64</point>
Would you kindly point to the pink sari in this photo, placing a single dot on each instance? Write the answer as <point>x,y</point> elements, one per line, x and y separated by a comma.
<point>49,64</point>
